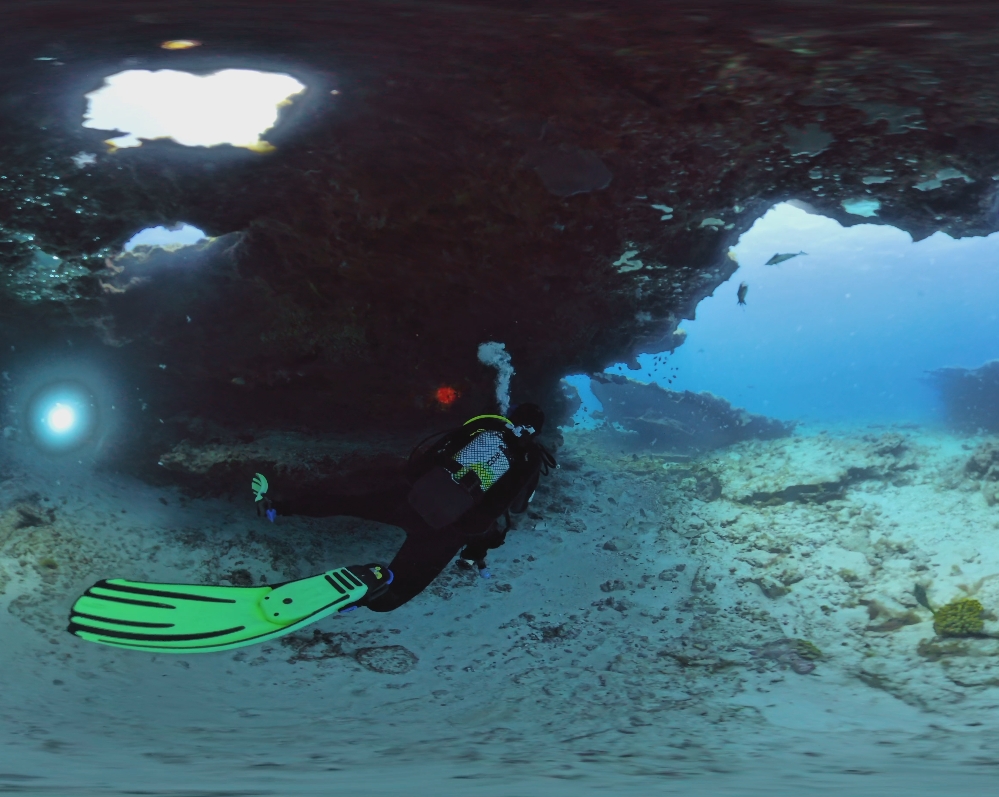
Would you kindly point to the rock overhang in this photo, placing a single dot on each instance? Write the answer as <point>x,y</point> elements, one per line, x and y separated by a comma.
<point>484,173</point>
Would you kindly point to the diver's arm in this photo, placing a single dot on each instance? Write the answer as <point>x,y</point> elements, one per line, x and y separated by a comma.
<point>380,506</point>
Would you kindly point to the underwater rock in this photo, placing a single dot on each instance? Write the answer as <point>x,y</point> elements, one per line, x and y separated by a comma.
<point>618,544</point>
<point>291,462</point>
<point>388,659</point>
<point>696,482</point>
<point>934,650</point>
<point>984,462</point>
<point>708,486</point>
<point>239,577</point>
<point>314,646</point>
<point>984,465</point>
<point>771,588</point>
<point>968,662</point>
<point>894,623</point>
<point>970,396</point>
<point>815,471</point>
<point>677,422</point>
<point>567,171</point>
<point>320,645</point>
<point>891,620</point>
<point>798,654</point>
<point>23,516</point>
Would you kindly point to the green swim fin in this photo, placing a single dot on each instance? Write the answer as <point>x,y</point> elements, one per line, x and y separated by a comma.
<point>186,618</point>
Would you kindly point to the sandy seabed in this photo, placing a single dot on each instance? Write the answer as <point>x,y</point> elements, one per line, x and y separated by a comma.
<point>743,623</point>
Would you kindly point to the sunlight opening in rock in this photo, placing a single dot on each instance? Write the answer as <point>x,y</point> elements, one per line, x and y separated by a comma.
<point>177,235</point>
<point>840,324</point>
<point>232,106</point>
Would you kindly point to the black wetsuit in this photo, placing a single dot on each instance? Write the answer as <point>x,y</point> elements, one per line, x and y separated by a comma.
<point>427,551</point>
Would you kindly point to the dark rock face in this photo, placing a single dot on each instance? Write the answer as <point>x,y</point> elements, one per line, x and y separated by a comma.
<point>678,422</point>
<point>970,396</point>
<point>564,180</point>
<point>567,172</point>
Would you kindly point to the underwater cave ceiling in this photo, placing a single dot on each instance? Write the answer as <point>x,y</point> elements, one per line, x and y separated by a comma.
<point>565,178</point>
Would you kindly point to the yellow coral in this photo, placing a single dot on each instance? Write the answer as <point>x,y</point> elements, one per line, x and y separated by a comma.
<point>959,618</point>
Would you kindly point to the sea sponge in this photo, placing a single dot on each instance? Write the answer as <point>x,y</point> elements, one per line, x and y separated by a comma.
<point>798,654</point>
<point>962,617</point>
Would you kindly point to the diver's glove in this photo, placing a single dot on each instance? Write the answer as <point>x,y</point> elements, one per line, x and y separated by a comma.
<point>259,486</point>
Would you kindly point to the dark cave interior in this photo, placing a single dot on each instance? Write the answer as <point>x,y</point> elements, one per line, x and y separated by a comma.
<point>485,171</point>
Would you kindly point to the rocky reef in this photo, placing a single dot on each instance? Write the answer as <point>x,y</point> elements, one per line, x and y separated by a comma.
<point>800,471</point>
<point>566,181</point>
<point>983,467</point>
<point>649,417</point>
<point>224,466</point>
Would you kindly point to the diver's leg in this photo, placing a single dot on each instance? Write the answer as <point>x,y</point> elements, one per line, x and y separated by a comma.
<point>476,547</point>
<point>424,554</point>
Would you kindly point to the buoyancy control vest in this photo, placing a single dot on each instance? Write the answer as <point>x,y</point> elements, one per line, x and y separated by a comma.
<point>454,475</point>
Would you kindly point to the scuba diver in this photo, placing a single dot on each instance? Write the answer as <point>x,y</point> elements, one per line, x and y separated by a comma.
<point>448,499</point>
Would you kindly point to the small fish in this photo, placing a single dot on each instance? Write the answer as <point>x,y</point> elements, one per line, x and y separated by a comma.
<point>780,258</point>
<point>741,293</point>
<point>920,592</point>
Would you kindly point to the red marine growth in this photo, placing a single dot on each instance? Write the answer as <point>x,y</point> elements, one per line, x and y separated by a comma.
<point>446,396</point>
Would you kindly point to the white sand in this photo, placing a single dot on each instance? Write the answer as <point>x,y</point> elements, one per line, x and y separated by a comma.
<point>537,681</point>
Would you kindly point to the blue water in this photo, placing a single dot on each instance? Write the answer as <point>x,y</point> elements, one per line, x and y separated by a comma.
<point>842,335</point>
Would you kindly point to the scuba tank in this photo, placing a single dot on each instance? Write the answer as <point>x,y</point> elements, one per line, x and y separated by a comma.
<point>463,467</point>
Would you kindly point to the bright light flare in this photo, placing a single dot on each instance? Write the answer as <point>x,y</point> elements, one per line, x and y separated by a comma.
<point>231,106</point>
<point>61,418</point>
